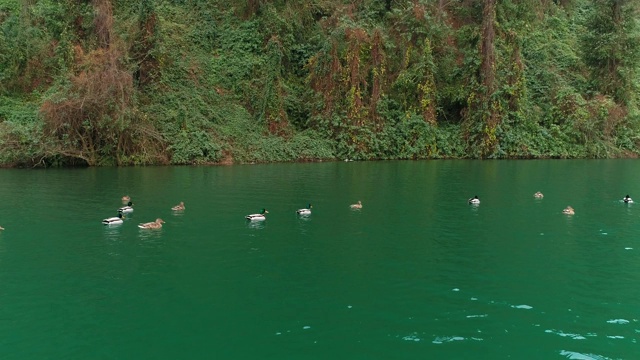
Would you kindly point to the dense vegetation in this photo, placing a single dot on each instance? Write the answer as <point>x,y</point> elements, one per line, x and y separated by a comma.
<point>121,82</point>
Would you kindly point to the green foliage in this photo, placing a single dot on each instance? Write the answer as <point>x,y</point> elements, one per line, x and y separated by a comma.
<point>247,143</point>
<point>190,147</point>
<point>20,133</point>
<point>236,61</point>
<point>20,43</point>
<point>237,81</point>
<point>611,47</point>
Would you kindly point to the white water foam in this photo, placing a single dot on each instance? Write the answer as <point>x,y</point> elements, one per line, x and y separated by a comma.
<point>413,337</point>
<point>572,355</point>
<point>527,307</point>
<point>564,334</point>
<point>618,321</point>
<point>444,339</point>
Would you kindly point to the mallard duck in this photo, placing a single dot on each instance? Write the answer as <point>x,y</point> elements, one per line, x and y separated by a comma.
<point>116,220</point>
<point>257,217</point>
<point>126,209</point>
<point>474,200</point>
<point>538,195</point>
<point>178,207</point>
<point>357,205</point>
<point>627,199</point>
<point>152,225</point>
<point>126,199</point>
<point>306,211</point>
<point>568,210</point>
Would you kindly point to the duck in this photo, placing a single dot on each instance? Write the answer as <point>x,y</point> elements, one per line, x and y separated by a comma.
<point>116,220</point>
<point>126,209</point>
<point>568,210</point>
<point>627,199</point>
<point>1,228</point>
<point>306,211</point>
<point>178,207</point>
<point>357,205</point>
<point>474,200</point>
<point>538,195</point>
<point>152,225</point>
<point>257,217</point>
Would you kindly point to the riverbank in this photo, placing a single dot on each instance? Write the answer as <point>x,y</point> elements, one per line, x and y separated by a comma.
<point>118,84</point>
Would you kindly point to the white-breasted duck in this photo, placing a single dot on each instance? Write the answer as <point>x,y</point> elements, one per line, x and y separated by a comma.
<point>116,220</point>
<point>306,211</point>
<point>257,217</point>
<point>126,209</point>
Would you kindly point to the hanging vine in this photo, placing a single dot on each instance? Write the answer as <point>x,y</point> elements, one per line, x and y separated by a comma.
<point>378,73</point>
<point>427,88</point>
<point>273,111</point>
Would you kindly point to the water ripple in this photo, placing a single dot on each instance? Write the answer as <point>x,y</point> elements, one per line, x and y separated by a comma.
<point>572,355</point>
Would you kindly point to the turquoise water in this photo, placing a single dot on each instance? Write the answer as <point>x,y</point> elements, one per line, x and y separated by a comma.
<point>417,273</point>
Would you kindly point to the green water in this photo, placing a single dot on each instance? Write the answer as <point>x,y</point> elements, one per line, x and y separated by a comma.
<point>416,274</point>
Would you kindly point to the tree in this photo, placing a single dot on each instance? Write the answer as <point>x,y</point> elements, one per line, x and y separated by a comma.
<point>484,111</point>
<point>611,47</point>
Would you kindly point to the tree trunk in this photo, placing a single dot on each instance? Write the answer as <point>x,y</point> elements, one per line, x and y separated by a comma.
<point>487,47</point>
<point>489,109</point>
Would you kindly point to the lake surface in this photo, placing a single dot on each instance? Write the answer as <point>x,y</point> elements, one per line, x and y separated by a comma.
<point>417,273</point>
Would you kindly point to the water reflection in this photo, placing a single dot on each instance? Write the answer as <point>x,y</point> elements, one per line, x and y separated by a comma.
<point>255,224</point>
<point>304,223</point>
<point>178,213</point>
<point>112,232</point>
<point>149,234</point>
